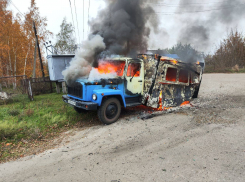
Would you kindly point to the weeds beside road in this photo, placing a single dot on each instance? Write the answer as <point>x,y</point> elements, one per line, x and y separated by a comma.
<point>25,122</point>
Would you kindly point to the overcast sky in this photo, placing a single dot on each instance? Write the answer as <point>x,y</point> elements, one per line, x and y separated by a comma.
<point>170,24</point>
<point>56,10</point>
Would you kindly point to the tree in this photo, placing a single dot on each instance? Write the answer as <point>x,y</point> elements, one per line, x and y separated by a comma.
<point>65,40</point>
<point>5,24</point>
<point>231,51</point>
<point>186,52</point>
<point>17,40</point>
<point>43,34</point>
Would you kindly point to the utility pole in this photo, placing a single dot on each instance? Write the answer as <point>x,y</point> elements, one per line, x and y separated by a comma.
<point>35,60</point>
<point>88,14</point>
<point>39,52</point>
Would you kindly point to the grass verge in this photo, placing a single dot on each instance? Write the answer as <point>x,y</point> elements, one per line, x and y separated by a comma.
<point>24,123</point>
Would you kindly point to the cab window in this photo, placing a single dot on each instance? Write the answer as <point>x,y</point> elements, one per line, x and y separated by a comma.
<point>133,70</point>
<point>183,76</point>
<point>171,74</point>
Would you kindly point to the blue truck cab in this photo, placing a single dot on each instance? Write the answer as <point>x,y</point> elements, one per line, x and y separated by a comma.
<point>107,96</point>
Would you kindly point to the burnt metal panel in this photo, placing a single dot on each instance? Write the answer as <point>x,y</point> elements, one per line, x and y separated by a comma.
<point>172,93</point>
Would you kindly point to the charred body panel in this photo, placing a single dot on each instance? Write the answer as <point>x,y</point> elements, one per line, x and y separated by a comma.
<point>151,79</point>
<point>169,80</point>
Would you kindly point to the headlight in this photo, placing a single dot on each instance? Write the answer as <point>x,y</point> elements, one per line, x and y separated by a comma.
<point>94,96</point>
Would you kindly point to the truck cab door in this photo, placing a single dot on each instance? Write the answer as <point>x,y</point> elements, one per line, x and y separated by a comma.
<point>134,78</point>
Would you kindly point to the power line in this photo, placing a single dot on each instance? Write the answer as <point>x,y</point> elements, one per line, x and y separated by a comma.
<point>17,8</point>
<point>183,12</point>
<point>195,6</point>
<point>192,3</point>
<point>88,14</point>
<point>83,19</point>
<point>73,21</point>
<point>77,21</point>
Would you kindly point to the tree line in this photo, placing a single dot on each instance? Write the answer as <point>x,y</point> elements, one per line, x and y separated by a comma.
<point>230,54</point>
<point>17,40</point>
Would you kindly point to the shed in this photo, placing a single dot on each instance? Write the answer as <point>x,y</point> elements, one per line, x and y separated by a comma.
<point>56,64</point>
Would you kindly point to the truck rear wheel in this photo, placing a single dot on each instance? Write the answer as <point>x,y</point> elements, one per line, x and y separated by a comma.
<point>109,111</point>
<point>195,95</point>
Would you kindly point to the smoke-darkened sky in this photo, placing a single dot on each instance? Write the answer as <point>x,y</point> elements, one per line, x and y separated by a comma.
<point>203,23</point>
<point>119,29</point>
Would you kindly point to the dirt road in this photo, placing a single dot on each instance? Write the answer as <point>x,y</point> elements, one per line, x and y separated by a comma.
<point>205,142</point>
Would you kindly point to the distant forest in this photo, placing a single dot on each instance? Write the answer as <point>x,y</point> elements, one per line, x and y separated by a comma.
<point>17,40</point>
<point>228,57</point>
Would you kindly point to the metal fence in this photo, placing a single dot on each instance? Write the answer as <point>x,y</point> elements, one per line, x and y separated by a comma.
<point>36,86</point>
<point>11,86</point>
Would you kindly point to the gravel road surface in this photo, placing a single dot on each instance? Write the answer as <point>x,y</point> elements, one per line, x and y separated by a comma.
<point>202,142</point>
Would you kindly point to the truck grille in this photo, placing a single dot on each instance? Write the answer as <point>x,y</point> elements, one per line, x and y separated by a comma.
<point>76,90</point>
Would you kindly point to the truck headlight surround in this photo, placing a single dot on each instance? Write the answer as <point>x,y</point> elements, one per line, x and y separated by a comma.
<point>94,97</point>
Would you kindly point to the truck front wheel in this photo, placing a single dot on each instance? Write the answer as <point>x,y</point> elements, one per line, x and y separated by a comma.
<point>109,111</point>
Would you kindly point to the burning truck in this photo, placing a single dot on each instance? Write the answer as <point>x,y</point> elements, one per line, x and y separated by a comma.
<point>151,80</point>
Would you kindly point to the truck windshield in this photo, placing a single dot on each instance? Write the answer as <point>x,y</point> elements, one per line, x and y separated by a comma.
<point>111,66</point>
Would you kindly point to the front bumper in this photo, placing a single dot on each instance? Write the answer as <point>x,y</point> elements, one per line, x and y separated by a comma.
<point>80,104</point>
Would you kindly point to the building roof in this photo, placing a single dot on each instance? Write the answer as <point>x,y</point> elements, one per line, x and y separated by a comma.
<point>175,56</point>
<point>160,52</point>
<point>163,53</point>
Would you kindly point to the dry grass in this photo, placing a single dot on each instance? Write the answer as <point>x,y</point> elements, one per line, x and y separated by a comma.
<point>29,112</point>
<point>235,68</point>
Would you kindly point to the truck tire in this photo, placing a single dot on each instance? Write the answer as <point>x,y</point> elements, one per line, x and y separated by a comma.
<point>79,110</point>
<point>109,111</point>
<point>195,95</point>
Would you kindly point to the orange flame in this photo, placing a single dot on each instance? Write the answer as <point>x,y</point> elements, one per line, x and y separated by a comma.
<point>174,61</point>
<point>185,103</point>
<point>106,67</point>
<point>133,69</point>
<point>160,108</point>
<point>160,102</point>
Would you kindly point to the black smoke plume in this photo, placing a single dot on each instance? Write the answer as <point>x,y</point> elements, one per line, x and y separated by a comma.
<point>122,24</point>
<point>119,29</point>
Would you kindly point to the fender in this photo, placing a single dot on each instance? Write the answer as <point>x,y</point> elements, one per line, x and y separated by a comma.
<point>108,92</point>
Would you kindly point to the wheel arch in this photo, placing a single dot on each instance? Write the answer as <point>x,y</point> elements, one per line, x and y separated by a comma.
<point>119,97</point>
<point>108,93</point>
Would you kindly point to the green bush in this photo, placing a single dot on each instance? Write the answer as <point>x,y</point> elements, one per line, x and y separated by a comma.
<point>14,112</point>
